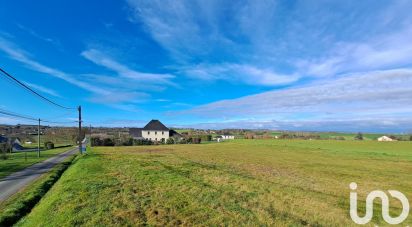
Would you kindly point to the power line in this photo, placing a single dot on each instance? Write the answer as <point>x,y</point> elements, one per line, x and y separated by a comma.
<point>33,91</point>
<point>5,112</point>
<point>16,115</point>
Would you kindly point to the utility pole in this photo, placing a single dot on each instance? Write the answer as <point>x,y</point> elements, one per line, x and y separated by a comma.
<point>80,128</point>
<point>38,140</point>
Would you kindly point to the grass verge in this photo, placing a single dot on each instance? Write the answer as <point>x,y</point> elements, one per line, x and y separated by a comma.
<point>19,160</point>
<point>21,203</point>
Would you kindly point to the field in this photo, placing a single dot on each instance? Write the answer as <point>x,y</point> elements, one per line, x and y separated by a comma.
<point>17,161</point>
<point>237,183</point>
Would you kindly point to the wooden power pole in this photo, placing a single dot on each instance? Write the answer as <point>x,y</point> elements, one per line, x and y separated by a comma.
<point>80,129</point>
<point>38,139</point>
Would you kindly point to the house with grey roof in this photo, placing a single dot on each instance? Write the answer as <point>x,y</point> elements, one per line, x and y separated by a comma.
<point>154,131</point>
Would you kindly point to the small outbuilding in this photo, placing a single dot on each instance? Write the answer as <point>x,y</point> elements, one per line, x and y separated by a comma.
<point>228,137</point>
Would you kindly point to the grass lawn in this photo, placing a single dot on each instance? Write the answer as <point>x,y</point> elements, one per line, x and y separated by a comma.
<point>237,183</point>
<point>16,161</point>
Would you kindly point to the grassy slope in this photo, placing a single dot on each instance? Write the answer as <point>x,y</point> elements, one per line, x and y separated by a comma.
<point>243,182</point>
<point>18,205</point>
<point>16,161</point>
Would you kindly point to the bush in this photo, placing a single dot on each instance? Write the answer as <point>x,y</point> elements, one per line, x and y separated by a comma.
<point>183,141</point>
<point>128,142</point>
<point>108,142</point>
<point>48,145</point>
<point>170,141</point>
<point>96,141</point>
<point>141,142</point>
<point>196,140</point>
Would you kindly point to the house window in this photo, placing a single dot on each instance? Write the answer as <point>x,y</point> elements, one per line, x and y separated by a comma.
<point>148,133</point>
<point>156,139</point>
<point>155,133</point>
<point>163,133</point>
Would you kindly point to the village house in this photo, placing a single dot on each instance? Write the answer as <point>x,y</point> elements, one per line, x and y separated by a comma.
<point>154,131</point>
<point>385,138</point>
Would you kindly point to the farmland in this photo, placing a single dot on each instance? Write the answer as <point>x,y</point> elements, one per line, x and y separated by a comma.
<point>241,182</point>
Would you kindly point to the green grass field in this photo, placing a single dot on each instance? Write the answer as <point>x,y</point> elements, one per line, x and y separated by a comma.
<point>17,161</point>
<point>237,183</point>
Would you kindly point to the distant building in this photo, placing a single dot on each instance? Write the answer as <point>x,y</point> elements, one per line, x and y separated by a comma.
<point>228,137</point>
<point>154,131</point>
<point>16,144</point>
<point>3,139</point>
<point>385,138</point>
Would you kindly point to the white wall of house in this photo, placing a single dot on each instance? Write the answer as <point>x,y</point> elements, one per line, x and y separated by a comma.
<point>228,137</point>
<point>155,135</point>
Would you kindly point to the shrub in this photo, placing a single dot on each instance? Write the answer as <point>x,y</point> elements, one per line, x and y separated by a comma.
<point>170,141</point>
<point>108,142</point>
<point>141,142</point>
<point>128,142</point>
<point>49,145</point>
<point>96,141</point>
<point>196,140</point>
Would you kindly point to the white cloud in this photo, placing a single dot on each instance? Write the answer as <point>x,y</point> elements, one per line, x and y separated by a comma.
<point>377,94</point>
<point>124,71</point>
<point>43,89</point>
<point>245,73</point>
<point>101,94</point>
<point>387,125</point>
<point>381,52</point>
<point>20,55</point>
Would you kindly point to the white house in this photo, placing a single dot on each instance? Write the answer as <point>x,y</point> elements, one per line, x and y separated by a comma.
<point>154,131</point>
<point>385,138</point>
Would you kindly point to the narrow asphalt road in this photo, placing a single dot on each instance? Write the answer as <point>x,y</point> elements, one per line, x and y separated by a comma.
<point>18,180</point>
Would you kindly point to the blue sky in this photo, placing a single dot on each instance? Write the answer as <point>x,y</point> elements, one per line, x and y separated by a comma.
<point>297,65</point>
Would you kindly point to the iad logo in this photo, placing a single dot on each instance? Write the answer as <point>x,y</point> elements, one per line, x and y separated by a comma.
<point>385,206</point>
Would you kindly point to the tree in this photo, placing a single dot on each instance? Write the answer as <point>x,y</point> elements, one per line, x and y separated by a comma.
<point>359,136</point>
<point>4,147</point>
<point>410,138</point>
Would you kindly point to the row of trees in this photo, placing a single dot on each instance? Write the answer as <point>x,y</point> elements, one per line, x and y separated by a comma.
<point>108,141</point>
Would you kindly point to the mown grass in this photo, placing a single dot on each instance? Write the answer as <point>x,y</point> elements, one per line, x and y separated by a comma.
<point>237,183</point>
<point>21,203</point>
<point>16,161</point>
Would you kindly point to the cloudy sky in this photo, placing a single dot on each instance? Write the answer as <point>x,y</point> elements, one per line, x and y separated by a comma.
<point>297,65</point>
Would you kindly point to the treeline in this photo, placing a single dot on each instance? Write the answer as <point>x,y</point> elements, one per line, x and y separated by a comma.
<point>303,135</point>
<point>128,141</point>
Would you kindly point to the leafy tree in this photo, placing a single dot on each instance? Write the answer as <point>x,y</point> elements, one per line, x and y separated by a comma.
<point>359,136</point>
